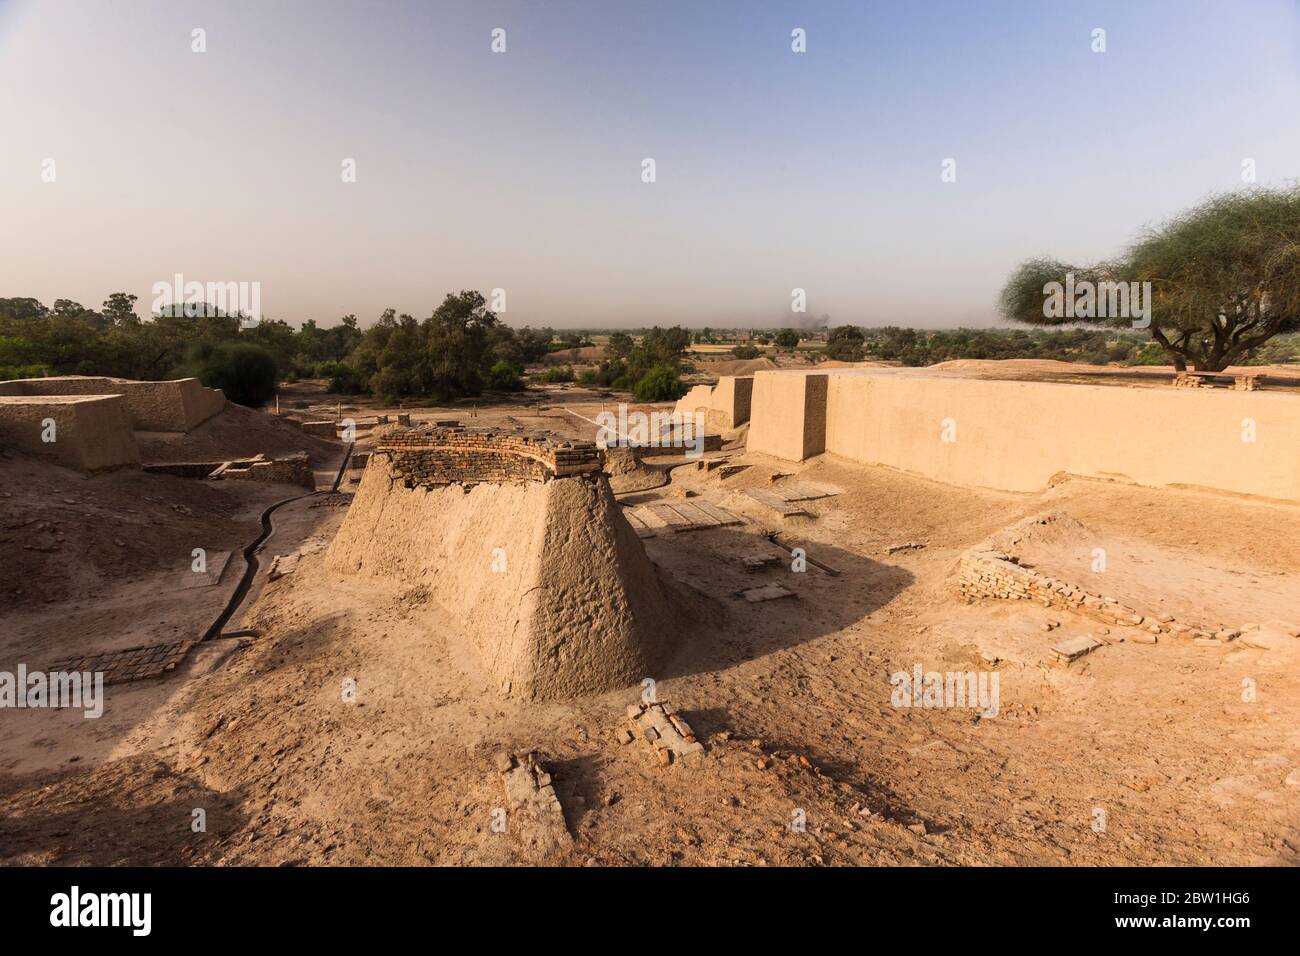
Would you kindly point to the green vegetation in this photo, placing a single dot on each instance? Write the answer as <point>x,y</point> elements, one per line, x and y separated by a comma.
<point>246,373</point>
<point>553,376</point>
<point>1224,279</point>
<point>787,339</point>
<point>660,384</point>
<point>746,352</point>
<point>505,376</point>
<point>460,349</point>
<point>845,344</point>
<point>631,364</point>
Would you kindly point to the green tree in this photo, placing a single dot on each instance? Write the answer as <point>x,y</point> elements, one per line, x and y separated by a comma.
<point>660,384</point>
<point>620,345</point>
<point>1224,279</point>
<point>787,339</point>
<point>504,377</point>
<point>246,373</point>
<point>119,309</point>
<point>844,344</point>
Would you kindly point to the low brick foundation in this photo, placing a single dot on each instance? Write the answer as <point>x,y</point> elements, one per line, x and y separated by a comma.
<point>135,663</point>
<point>433,456</point>
<point>987,573</point>
<point>172,406</point>
<point>294,470</point>
<point>320,429</point>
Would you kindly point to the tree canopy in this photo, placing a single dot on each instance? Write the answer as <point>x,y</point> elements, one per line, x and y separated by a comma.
<point>1223,278</point>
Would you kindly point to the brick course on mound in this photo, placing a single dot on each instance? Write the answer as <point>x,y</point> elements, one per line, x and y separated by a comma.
<point>434,456</point>
<point>984,572</point>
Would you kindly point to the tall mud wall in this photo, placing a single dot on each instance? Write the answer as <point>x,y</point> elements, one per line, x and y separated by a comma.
<point>172,406</point>
<point>90,432</point>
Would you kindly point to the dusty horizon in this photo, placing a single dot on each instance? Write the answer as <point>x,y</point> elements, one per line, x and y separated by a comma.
<point>611,167</point>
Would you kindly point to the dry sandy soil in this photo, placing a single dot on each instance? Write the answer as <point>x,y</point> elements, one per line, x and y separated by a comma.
<point>792,698</point>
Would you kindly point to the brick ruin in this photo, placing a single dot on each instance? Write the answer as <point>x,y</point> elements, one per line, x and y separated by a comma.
<point>517,537</point>
<point>986,572</point>
<point>178,405</point>
<point>1247,382</point>
<point>432,456</point>
<point>293,470</point>
<point>95,418</point>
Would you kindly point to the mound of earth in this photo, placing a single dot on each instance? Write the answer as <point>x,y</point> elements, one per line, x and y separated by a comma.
<point>66,536</point>
<point>627,472</point>
<point>736,366</point>
<point>1190,587</point>
<point>552,585</point>
<point>588,355</point>
<point>237,432</point>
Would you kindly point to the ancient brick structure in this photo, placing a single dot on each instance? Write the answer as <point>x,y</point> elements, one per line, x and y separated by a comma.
<point>430,456</point>
<point>293,470</point>
<point>135,663</point>
<point>87,432</point>
<point>172,406</point>
<point>984,573</point>
<point>519,538</point>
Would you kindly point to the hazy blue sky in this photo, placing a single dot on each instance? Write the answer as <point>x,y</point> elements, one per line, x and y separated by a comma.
<point>522,170</point>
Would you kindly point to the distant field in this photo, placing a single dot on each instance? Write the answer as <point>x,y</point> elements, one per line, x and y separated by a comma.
<point>710,349</point>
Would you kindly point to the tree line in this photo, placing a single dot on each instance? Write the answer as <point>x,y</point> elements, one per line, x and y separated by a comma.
<point>459,350</point>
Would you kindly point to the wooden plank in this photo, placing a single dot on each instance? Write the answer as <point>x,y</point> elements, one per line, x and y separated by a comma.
<point>771,500</point>
<point>722,515</point>
<point>650,519</point>
<point>670,517</point>
<point>805,491</point>
<point>696,516</point>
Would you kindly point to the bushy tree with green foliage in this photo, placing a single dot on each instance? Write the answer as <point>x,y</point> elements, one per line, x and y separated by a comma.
<point>1224,279</point>
<point>246,373</point>
<point>660,384</point>
<point>554,376</point>
<point>505,377</point>
<point>787,339</point>
<point>845,344</point>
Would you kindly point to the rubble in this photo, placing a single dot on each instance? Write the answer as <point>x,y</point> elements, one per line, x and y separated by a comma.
<point>531,797</point>
<point>667,732</point>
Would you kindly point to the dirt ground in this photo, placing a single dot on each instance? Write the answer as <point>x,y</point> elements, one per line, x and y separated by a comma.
<point>1136,754</point>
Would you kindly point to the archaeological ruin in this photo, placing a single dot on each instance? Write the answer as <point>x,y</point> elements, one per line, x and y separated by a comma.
<point>520,538</point>
<point>1015,436</point>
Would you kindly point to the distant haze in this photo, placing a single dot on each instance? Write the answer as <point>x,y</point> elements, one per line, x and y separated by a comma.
<point>522,170</point>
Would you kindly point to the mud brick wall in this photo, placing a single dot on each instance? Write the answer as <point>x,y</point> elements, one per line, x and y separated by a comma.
<point>294,470</point>
<point>432,456</point>
<point>92,432</point>
<point>320,429</point>
<point>184,469</point>
<point>994,574</point>
<point>172,406</point>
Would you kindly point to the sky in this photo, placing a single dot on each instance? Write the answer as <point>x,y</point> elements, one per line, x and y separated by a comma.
<point>523,170</point>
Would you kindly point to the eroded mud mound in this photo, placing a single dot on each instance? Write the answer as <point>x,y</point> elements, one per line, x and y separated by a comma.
<point>554,588</point>
<point>236,432</point>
